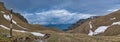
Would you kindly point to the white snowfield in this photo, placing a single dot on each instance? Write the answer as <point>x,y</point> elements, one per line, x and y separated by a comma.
<point>90,33</point>
<point>34,33</point>
<point>116,23</point>
<point>37,34</point>
<point>7,17</point>
<point>100,29</point>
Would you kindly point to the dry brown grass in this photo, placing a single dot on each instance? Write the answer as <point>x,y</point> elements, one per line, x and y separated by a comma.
<point>16,36</point>
<point>75,37</point>
<point>65,37</point>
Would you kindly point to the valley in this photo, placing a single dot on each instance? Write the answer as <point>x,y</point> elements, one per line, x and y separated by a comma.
<point>94,29</point>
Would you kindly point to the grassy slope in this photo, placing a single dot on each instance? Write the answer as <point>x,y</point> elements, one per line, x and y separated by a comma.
<point>76,37</point>
<point>17,36</point>
<point>101,21</point>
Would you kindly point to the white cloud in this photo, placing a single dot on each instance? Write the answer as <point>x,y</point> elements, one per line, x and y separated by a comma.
<point>60,16</point>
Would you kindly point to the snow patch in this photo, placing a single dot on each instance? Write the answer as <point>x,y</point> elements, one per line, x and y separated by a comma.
<point>13,29</point>
<point>90,33</point>
<point>116,23</point>
<point>20,31</point>
<point>112,18</point>
<point>7,17</point>
<point>100,29</point>
<point>34,33</point>
<point>4,27</point>
<point>37,34</point>
<point>90,24</point>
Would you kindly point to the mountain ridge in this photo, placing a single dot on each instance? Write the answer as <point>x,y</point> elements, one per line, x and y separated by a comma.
<point>106,20</point>
<point>81,21</point>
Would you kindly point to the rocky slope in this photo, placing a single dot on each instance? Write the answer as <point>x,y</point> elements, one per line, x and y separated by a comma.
<point>107,25</point>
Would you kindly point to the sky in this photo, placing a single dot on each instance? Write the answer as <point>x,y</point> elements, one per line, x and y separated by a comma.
<point>61,11</point>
